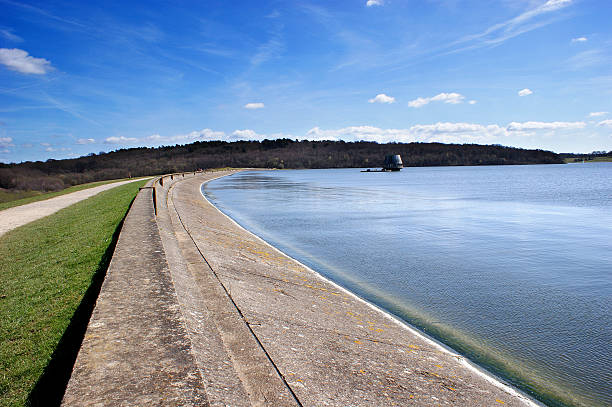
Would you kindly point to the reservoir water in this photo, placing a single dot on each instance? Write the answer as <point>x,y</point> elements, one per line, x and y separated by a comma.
<point>508,265</point>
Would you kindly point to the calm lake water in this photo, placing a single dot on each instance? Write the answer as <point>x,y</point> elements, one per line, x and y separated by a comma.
<point>508,265</point>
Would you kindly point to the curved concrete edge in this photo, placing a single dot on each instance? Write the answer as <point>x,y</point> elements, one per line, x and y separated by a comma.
<point>234,368</point>
<point>195,310</point>
<point>495,381</point>
<point>332,347</point>
<point>136,350</point>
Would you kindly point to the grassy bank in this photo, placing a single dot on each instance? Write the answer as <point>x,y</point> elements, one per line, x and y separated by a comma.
<point>9,199</point>
<point>606,159</point>
<point>50,273</point>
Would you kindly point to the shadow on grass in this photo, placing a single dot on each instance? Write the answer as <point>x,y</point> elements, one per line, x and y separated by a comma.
<point>50,387</point>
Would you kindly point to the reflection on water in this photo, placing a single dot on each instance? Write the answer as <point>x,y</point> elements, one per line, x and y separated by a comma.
<point>510,265</point>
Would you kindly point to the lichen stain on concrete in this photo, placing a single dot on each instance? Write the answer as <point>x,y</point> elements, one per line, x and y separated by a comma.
<point>254,328</point>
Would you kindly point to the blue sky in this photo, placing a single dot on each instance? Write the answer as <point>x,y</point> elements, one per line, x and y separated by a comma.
<point>82,77</point>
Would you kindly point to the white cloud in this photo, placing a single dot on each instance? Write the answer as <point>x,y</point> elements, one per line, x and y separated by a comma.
<point>204,135</point>
<point>156,139</point>
<point>525,92</point>
<point>597,114</point>
<point>45,144</point>
<point>85,141</point>
<point>371,3</point>
<point>579,39</point>
<point>525,126</point>
<point>445,132</point>
<point>607,123</point>
<point>200,135</point>
<point>472,102</point>
<point>6,142</point>
<point>19,60</point>
<point>257,105</point>
<point>419,102</point>
<point>452,98</point>
<point>382,98</point>
<point>246,134</point>
<point>120,140</point>
<point>442,132</point>
<point>438,132</point>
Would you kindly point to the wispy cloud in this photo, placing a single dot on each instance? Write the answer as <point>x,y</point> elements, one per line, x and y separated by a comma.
<point>70,110</point>
<point>86,141</point>
<point>597,114</point>
<point>252,106</point>
<point>501,32</point>
<point>51,149</point>
<point>550,5</point>
<point>607,123</point>
<point>44,13</point>
<point>8,35</point>
<point>589,58</point>
<point>451,98</point>
<point>525,92</point>
<point>6,142</point>
<point>382,98</point>
<point>19,60</point>
<point>271,49</point>
<point>371,3</point>
<point>213,49</point>
<point>517,126</point>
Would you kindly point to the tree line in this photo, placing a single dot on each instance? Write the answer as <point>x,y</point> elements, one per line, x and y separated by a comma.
<point>282,153</point>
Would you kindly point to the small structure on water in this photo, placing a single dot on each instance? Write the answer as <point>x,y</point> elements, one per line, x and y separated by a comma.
<point>392,162</point>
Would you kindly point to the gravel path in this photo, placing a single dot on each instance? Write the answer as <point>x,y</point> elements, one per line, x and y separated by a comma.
<point>12,218</point>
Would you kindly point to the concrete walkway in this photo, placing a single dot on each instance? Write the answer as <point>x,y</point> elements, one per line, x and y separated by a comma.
<point>12,218</point>
<point>196,310</point>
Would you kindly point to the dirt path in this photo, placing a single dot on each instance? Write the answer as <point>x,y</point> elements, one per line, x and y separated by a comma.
<point>12,218</point>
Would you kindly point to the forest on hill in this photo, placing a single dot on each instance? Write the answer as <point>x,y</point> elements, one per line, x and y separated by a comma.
<point>283,153</point>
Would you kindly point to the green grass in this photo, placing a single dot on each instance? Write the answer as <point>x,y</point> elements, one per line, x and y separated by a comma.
<point>594,160</point>
<point>46,269</point>
<point>9,196</point>
<point>9,199</point>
